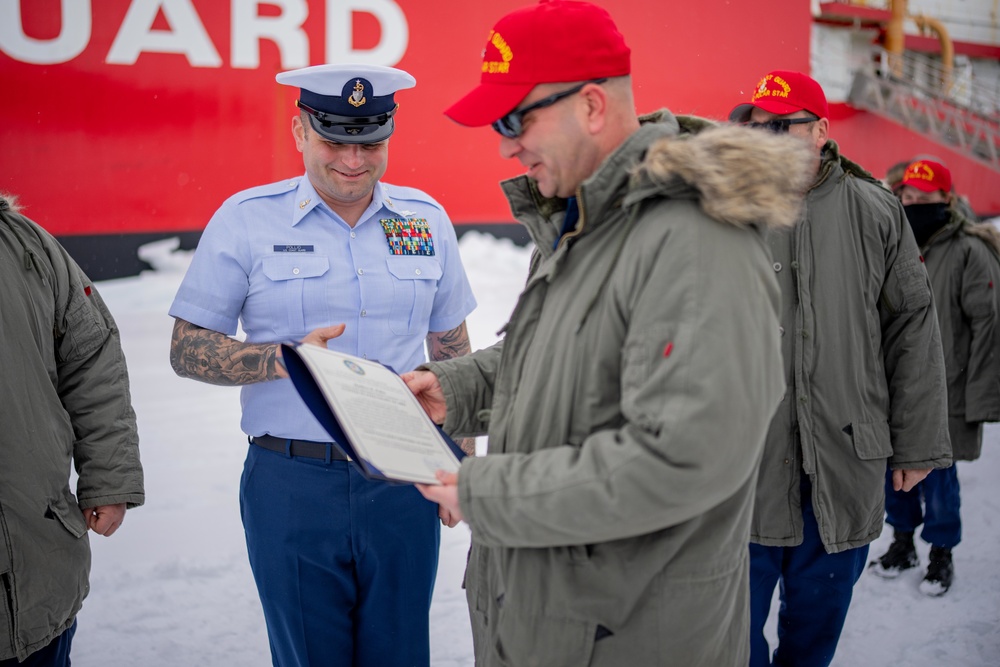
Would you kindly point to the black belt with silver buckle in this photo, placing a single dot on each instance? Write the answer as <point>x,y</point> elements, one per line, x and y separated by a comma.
<point>325,451</point>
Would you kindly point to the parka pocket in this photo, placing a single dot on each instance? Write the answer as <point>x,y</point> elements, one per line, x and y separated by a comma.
<point>69,515</point>
<point>481,579</point>
<point>530,640</point>
<point>907,288</point>
<point>871,440</point>
<point>646,368</point>
<point>83,330</point>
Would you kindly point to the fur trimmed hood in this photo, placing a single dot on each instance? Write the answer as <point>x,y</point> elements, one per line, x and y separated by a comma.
<point>8,203</point>
<point>740,176</point>
<point>986,232</point>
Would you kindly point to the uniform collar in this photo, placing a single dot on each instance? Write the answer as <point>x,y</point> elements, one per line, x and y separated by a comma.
<point>306,199</point>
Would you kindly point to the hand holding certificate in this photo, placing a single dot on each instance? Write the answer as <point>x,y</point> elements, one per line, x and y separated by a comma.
<point>371,414</point>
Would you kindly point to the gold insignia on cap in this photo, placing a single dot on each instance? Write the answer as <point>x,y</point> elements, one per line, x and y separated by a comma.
<point>772,86</point>
<point>357,98</point>
<point>920,171</point>
<point>506,54</point>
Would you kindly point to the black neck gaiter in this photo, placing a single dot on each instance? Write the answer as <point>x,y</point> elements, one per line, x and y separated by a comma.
<point>926,219</point>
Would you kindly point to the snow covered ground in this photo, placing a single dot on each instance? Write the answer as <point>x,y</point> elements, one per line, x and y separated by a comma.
<point>173,586</point>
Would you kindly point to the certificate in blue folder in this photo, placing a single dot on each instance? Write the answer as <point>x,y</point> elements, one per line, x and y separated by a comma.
<point>371,414</point>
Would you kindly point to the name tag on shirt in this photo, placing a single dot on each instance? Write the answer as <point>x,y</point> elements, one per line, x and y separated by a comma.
<point>408,236</point>
<point>293,248</point>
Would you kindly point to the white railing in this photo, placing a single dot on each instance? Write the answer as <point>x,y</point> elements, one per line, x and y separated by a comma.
<point>916,91</point>
<point>958,86</point>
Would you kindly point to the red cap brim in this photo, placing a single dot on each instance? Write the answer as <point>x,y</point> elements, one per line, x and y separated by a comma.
<point>488,102</point>
<point>741,113</point>
<point>922,185</point>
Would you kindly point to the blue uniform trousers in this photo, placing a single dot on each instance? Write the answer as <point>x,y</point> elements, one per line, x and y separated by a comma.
<point>816,590</point>
<point>55,654</point>
<point>939,514</point>
<point>344,566</point>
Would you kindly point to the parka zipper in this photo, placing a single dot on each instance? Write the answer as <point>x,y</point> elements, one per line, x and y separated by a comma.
<point>580,223</point>
<point>8,599</point>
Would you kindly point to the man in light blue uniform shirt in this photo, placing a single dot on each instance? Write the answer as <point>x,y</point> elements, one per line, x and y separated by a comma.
<point>344,566</point>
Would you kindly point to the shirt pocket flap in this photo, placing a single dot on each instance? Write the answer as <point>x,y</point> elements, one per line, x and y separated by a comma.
<point>403,267</point>
<point>294,265</point>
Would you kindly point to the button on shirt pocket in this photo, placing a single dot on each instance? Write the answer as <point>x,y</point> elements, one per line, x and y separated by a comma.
<point>289,273</point>
<point>414,285</point>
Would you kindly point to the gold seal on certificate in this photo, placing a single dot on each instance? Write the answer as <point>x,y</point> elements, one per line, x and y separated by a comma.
<point>371,414</point>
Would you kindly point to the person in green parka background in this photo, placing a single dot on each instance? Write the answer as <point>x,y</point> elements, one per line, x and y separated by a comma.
<point>963,261</point>
<point>64,403</point>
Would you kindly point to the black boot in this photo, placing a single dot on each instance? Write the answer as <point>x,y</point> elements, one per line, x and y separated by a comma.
<point>940,572</point>
<point>900,556</point>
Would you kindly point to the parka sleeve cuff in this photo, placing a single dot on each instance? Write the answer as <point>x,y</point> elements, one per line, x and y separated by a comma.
<point>933,464</point>
<point>130,499</point>
<point>976,413</point>
<point>466,414</point>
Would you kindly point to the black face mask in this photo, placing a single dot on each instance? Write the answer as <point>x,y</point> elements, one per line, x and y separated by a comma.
<point>925,219</point>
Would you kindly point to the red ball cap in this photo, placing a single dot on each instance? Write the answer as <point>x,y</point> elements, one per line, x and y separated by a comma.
<point>553,41</point>
<point>927,176</point>
<point>782,92</point>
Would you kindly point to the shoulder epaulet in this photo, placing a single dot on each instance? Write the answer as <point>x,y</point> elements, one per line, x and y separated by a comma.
<point>401,193</point>
<point>269,190</point>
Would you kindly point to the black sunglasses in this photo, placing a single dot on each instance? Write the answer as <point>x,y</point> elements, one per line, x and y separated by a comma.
<point>781,125</point>
<point>511,125</point>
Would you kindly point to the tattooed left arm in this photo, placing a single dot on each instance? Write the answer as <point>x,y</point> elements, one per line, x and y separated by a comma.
<point>448,345</point>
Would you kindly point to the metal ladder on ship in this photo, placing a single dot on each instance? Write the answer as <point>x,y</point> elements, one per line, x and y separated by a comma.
<point>917,93</point>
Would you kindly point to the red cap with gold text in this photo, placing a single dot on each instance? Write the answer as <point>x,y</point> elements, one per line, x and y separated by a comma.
<point>927,176</point>
<point>782,93</point>
<point>551,42</point>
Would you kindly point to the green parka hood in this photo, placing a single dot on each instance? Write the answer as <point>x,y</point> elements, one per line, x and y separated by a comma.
<point>740,176</point>
<point>984,231</point>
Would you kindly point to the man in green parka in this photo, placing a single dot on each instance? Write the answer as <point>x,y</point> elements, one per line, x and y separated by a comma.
<point>865,377</point>
<point>963,262</point>
<point>64,396</point>
<point>627,405</point>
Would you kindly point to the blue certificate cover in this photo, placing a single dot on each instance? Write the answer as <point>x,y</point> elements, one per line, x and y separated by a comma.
<point>370,415</point>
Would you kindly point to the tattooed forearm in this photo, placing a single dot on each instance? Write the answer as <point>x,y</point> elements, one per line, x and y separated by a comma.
<point>449,344</point>
<point>468,445</point>
<point>215,358</point>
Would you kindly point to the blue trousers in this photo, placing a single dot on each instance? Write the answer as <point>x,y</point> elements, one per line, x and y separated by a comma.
<point>815,593</point>
<point>942,503</point>
<point>344,566</point>
<point>55,654</point>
